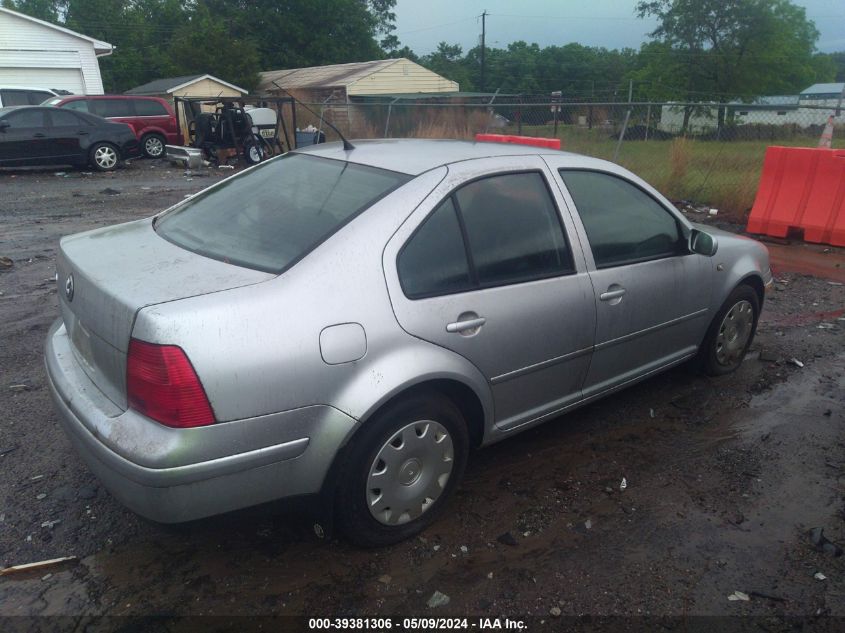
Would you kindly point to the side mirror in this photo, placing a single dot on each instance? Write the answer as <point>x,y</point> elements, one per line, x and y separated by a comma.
<point>702,243</point>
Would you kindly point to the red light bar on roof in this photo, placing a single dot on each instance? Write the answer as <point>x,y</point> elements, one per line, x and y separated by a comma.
<point>551,143</point>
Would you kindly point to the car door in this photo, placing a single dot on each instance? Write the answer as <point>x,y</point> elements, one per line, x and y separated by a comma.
<point>24,141</point>
<point>67,134</point>
<point>651,293</point>
<point>484,267</point>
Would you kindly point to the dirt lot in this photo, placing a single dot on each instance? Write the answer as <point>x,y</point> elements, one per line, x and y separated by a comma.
<point>725,477</point>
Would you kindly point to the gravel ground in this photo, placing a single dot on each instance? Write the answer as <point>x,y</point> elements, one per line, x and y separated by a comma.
<point>725,479</point>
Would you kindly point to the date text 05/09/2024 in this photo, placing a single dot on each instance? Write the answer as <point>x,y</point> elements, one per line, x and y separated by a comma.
<point>415,624</point>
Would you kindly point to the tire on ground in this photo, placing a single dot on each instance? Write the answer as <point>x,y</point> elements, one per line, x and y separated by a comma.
<point>713,357</point>
<point>351,500</point>
<point>104,156</point>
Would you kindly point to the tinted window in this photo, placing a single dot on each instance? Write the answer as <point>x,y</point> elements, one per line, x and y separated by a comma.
<point>513,229</point>
<point>14,97</point>
<point>111,107</point>
<point>37,97</point>
<point>144,107</point>
<point>276,213</point>
<point>26,118</point>
<point>623,223</point>
<point>434,261</point>
<point>80,105</point>
<point>60,118</point>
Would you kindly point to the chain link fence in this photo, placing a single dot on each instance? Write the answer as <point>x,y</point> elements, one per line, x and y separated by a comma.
<point>702,155</point>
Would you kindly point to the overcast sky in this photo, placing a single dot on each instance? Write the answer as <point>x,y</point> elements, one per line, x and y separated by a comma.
<point>422,24</point>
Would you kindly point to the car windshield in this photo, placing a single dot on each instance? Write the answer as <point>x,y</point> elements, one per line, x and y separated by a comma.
<point>274,215</point>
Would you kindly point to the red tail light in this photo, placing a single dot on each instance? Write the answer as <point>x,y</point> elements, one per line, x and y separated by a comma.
<point>161,383</point>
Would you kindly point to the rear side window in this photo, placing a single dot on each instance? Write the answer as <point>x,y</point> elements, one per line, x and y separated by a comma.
<point>60,118</point>
<point>513,229</point>
<point>623,223</point>
<point>434,261</point>
<point>275,214</point>
<point>111,107</point>
<point>147,107</point>
<point>495,231</point>
<point>14,97</point>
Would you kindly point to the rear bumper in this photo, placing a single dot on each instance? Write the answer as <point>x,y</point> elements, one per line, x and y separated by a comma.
<point>173,475</point>
<point>131,149</point>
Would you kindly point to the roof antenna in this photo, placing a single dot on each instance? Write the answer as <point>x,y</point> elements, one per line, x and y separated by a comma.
<point>347,146</point>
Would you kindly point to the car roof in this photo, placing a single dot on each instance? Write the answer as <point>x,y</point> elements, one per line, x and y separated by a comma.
<point>125,97</point>
<point>415,156</point>
<point>5,87</point>
<point>7,109</point>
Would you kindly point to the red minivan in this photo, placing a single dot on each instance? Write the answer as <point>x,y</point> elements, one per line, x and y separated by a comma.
<point>152,119</point>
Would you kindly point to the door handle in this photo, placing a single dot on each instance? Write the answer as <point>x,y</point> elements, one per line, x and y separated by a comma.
<point>38,135</point>
<point>610,295</point>
<point>82,133</point>
<point>465,325</point>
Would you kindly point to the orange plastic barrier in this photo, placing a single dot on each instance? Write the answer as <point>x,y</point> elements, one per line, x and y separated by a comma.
<point>801,188</point>
<point>551,143</point>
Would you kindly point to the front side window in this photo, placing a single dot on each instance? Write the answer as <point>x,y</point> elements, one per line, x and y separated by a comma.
<point>494,231</point>
<point>80,105</point>
<point>275,214</point>
<point>26,118</point>
<point>623,223</point>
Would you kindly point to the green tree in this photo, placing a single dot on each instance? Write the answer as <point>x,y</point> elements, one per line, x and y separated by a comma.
<point>735,49</point>
<point>830,66</point>
<point>204,44</point>
<point>47,10</point>
<point>448,60</point>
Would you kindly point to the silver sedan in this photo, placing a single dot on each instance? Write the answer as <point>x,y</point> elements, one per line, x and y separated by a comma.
<point>346,325</point>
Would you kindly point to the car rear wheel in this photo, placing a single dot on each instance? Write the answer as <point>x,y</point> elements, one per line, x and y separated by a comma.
<point>153,145</point>
<point>104,157</point>
<point>400,469</point>
<point>731,332</point>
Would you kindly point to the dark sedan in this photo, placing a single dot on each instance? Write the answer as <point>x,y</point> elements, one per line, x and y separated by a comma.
<point>49,136</point>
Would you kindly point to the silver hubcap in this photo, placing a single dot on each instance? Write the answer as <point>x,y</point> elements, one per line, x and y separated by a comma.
<point>410,472</point>
<point>734,333</point>
<point>105,157</point>
<point>154,146</point>
<point>254,154</point>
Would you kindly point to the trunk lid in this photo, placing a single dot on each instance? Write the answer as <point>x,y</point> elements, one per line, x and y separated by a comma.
<point>115,272</point>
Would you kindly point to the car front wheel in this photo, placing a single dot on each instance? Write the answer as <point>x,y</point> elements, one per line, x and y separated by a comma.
<point>731,333</point>
<point>104,157</point>
<point>400,469</point>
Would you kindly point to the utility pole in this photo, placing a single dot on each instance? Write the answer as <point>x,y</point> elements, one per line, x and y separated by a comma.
<point>483,34</point>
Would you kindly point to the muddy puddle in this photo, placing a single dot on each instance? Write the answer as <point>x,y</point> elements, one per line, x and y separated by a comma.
<point>720,496</point>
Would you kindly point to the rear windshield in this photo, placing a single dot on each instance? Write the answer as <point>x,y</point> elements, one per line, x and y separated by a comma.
<point>274,215</point>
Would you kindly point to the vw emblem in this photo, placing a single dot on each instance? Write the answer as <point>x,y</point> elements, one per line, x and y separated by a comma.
<point>69,287</point>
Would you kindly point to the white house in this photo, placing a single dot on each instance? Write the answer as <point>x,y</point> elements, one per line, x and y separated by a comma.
<point>38,54</point>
